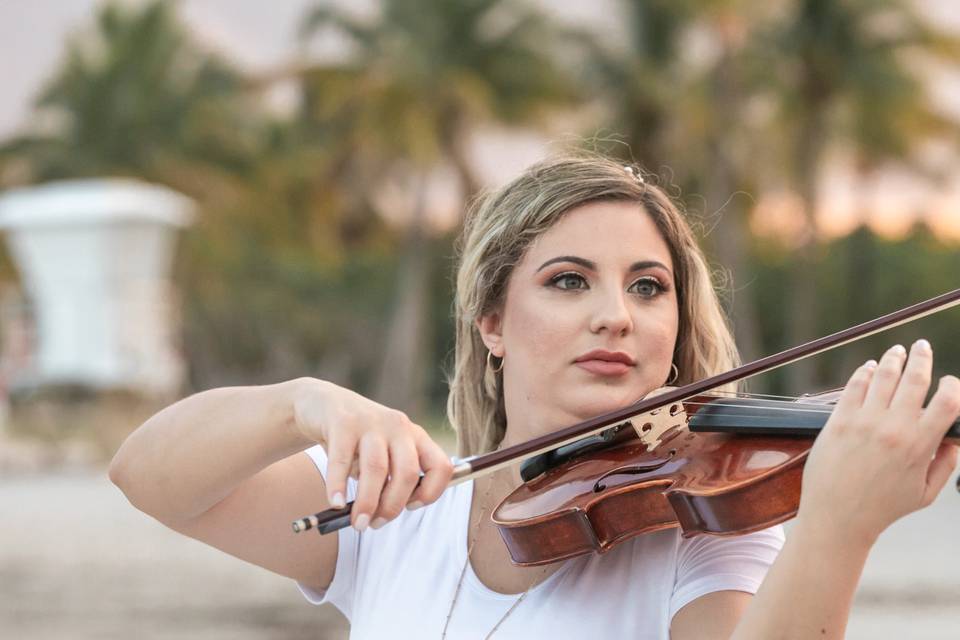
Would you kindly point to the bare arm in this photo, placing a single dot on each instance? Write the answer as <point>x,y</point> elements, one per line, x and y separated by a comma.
<point>218,466</point>
<point>192,454</point>
<point>222,466</point>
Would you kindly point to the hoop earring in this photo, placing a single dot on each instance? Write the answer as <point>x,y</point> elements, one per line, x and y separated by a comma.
<point>674,375</point>
<point>490,366</point>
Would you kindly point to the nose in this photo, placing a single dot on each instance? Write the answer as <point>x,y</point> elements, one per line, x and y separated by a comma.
<point>612,313</point>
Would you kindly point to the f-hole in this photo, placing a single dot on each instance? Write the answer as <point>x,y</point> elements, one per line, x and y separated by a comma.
<point>598,486</point>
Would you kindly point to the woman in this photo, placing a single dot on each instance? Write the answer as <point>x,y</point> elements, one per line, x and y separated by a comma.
<point>580,290</point>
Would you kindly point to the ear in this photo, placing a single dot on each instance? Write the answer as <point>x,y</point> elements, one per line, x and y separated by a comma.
<point>490,327</point>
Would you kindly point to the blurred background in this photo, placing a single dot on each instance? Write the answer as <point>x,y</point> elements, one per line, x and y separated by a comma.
<point>200,193</point>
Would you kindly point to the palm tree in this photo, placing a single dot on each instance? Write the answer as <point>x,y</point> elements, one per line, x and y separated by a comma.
<point>422,75</point>
<point>643,82</point>
<point>719,97</point>
<point>426,72</point>
<point>286,240</point>
<point>136,97</point>
<point>841,74</point>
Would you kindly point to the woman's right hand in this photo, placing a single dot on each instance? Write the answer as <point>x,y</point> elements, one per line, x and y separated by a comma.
<point>385,449</point>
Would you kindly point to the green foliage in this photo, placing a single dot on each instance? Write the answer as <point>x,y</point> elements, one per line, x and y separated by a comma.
<point>423,72</point>
<point>642,85</point>
<point>137,98</point>
<point>268,315</point>
<point>852,65</point>
<point>857,278</point>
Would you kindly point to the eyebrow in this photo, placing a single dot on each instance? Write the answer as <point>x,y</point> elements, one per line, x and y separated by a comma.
<point>589,264</point>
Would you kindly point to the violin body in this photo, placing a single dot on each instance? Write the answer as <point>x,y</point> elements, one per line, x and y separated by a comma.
<point>703,482</point>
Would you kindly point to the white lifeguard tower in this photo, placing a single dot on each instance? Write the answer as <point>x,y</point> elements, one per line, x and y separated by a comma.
<point>94,258</point>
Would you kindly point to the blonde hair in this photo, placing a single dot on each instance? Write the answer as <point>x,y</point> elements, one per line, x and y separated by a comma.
<point>499,228</point>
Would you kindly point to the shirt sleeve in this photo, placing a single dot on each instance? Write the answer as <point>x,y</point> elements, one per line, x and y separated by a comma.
<point>341,590</point>
<point>712,563</point>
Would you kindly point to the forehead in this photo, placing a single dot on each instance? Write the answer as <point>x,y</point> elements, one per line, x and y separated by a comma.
<point>610,233</point>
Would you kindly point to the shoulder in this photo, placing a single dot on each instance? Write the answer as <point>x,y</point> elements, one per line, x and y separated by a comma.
<point>710,564</point>
<point>665,566</point>
<point>759,545</point>
<point>716,578</point>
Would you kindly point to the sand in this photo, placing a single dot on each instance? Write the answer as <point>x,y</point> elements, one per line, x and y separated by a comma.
<point>78,562</point>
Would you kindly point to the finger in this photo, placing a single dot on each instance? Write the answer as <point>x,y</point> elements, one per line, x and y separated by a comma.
<point>941,468</point>
<point>341,453</point>
<point>856,388</point>
<point>374,464</point>
<point>404,475</point>
<point>943,410</point>
<point>915,381</point>
<point>437,469</point>
<point>885,378</point>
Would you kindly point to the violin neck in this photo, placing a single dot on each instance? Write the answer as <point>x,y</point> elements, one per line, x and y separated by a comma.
<point>746,416</point>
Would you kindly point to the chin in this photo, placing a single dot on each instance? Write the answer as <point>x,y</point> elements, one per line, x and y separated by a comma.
<point>603,403</point>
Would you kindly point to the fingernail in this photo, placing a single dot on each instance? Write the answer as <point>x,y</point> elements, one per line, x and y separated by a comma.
<point>337,501</point>
<point>923,344</point>
<point>379,522</point>
<point>362,521</point>
<point>416,504</point>
<point>872,364</point>
<point>899,350</point>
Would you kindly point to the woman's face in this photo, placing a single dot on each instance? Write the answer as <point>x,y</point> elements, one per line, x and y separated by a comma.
<point>595,288</point>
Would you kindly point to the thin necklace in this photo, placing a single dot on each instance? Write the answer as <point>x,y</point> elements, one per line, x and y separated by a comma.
<point>463,572</point>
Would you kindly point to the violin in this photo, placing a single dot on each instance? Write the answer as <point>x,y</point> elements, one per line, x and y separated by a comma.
<point>723,466</point>
<point>704,461</point>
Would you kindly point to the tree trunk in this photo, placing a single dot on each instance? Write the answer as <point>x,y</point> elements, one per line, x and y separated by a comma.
<point>730,244</point>
<point>457,151</point>
<point>802,306</point>
<point>401,382</point>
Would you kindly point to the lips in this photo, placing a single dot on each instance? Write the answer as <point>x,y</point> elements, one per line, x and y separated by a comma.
<point>606,363</point>
<point>607,356</point>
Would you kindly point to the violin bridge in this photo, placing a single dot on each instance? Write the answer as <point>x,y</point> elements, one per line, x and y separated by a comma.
<point>652,426</point>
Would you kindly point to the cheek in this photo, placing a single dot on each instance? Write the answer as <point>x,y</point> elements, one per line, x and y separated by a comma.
<point>661,355</point>
<point>535,336</point>
<point>660,336</point>
<point>668,329</point>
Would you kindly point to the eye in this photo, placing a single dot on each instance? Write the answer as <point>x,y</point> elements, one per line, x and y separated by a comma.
<point>568,281</point>
<point>647,287</point>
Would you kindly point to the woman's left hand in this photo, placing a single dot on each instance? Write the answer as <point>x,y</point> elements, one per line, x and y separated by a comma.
<point>881,454</point>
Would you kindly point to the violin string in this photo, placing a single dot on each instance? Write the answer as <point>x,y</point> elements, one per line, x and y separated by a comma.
<point>761,396</point>
<point>734,395</point>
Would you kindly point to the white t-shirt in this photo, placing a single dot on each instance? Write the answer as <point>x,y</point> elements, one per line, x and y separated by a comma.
<point>398,581</point>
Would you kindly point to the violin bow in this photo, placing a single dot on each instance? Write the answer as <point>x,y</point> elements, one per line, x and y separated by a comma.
<point>479,465</point>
